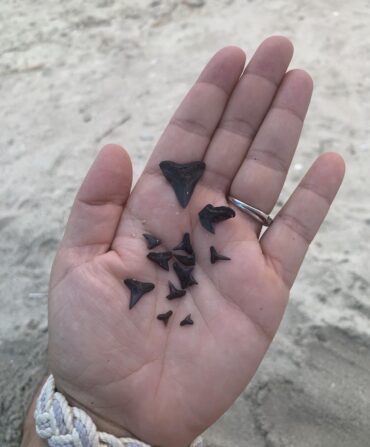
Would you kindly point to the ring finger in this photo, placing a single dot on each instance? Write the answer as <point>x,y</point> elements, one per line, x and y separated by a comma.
<point>261,176</point>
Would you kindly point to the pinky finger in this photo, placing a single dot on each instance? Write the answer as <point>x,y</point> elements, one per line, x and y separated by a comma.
<point>286,242</point>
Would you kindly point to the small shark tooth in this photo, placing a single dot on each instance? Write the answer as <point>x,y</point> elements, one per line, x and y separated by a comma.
<point>188,260</point>
<point>184,274</point>
<point>174,292</point>
<point>187,321</point>
<point>210,215</point>
<point>183,177</point>
<point>185,244</point>
<point>151,241</point>
<point>161,258</point>
<point>165,317</point>
<point>217,256</point>
<point>137,289</point>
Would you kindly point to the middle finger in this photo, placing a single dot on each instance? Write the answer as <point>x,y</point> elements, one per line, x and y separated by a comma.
<point>245,111</point>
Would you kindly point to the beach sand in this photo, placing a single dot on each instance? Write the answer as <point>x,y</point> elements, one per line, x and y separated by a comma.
<point>75,75</point>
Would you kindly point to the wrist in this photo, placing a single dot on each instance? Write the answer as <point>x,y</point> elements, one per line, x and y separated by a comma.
<point>29,436</point>
<point>57,419</point>
<point>102,423</point>
<point>31,439</point>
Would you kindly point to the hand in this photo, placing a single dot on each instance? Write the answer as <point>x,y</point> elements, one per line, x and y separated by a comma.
<point>130,372</point>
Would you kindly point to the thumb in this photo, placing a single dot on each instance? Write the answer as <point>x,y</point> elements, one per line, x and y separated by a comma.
<point>99,203</point>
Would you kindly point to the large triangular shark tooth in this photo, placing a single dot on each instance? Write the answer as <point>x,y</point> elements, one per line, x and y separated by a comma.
<point>137,289</point>
<point>160,258</point>
<point>183,177</point>
<point>185,244</point>
<point>184,274</point>
<point>188,260</point>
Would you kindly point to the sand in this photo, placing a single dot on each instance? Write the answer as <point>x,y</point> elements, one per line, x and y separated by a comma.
<point>75,75</point>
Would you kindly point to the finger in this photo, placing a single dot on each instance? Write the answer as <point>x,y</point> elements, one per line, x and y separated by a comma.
<point>262,174</point>
<point>285,243</point>
<point>99,202</point>
<point>190,129</point>
<point>246,110</point>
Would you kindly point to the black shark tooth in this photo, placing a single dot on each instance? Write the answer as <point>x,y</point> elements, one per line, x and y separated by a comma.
<point>210,215</point>
<point>137,289</point>
<point>183,177</point>
<point>165,317</point>
<point>185,244</point>
<point>216,256</point>
<point>175,292</point>
<point>151,241</point>
<point>160,258</point>
<point>187,321</point>
<point>184,274</point>
<point>188,260</point>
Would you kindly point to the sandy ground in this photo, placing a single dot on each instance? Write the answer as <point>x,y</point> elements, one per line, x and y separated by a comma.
<point>75,75</point>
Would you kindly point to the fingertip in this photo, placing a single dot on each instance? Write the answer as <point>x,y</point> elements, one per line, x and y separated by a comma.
<point>115,153</point>
<point>337,169</point>
<point>224,68</point>
<point>115,158</point>
<point>295,92</point>
<point>271,58</point>
<point>335,160</point>
<point>326,175</point>
<point>281,42</point>
<point>279,46</point>
<point>109,177</point>
<point>333,164</point>
<point>302,78</point>
<point>230,53</point>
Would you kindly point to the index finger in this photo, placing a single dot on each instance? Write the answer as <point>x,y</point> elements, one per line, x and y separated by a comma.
<point>189,131</point>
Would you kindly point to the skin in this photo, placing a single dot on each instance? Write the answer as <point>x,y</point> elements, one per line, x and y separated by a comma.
<point>166,385</point>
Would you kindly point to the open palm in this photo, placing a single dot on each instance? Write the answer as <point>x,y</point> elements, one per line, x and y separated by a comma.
<point>166,384</point>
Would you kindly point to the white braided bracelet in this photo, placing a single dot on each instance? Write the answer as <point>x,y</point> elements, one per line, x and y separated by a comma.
<point>65,426</point>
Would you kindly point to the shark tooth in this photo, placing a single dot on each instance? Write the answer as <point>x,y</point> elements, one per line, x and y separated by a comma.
<point>174,292</point>
<point>151,241</point>
<point>184,274</point>
<point>217,256</point>
<point>165,317</point>
<point>160,258</point>
<point>183,177</point>
<point>137,289</point>
<point>188,260</point>
<point>187,321</point>
<point>185,244</point>
<point>210,215</point>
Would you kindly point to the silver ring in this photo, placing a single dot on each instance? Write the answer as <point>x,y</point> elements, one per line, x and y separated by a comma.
<point>257,214</point>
